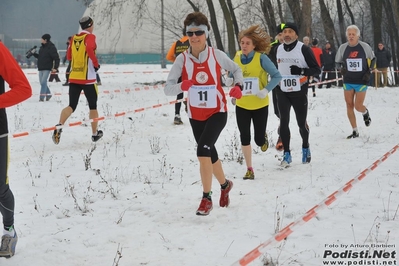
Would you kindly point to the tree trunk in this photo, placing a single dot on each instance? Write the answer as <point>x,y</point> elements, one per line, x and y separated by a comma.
<point>280,11</point>
<point>306,19</point>
<point>195,8</point>
<point>229,28</point>
<point>214,25</point>
<point>268,13</point>
<point>233,18</point>
<point>328,23</point>
<point>390,10</point>
<point>295,11</point>
<point>341,22</point>
<point>350,12</point>
<point>376,18</point>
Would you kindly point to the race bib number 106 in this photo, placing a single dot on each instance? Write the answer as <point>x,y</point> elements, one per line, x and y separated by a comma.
<point>290,83</point>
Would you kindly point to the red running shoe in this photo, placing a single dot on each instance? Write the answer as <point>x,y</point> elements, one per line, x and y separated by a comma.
<point>205,207</point>
<point>224,195</point>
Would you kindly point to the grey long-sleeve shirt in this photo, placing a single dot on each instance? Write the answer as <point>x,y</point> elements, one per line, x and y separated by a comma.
<point>172,86</point>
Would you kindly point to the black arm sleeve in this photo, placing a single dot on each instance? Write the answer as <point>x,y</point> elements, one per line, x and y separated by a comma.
<point>56,57</point>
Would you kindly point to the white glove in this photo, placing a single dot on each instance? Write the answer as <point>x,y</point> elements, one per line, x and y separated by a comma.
<point>229,82</point>
<point>262,93</point>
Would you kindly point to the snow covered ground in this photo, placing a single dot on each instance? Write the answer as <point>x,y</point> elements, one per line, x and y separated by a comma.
<point>130,199</point>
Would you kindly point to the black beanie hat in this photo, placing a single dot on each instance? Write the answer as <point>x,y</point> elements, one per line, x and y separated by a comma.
<point>46,37</point>
<point>315,41</point>
<point>280,28</point>
<point>86,22</point>
<point>292,26</point>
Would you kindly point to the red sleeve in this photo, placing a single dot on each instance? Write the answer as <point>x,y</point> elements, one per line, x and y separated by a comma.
<point>11,72</point>
<point>91,48</point>
<point>69,52</point>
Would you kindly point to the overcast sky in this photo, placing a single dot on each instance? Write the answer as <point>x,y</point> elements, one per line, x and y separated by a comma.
<point>26,19</point>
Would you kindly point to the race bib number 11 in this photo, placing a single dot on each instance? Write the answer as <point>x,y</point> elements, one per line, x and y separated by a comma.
<point>203,96</point>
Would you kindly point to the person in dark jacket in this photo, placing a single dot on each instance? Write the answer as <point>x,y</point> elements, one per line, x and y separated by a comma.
<point>272,55</point>
<point>383,60</point>
<point>68,69</point>
<point>328,58</point>
<point>48,61</point>
<point>177,48</point>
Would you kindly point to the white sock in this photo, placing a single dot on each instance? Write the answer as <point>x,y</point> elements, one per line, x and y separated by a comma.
<point>365,112</point>
<point>9,233</point>
<point>355,129</point>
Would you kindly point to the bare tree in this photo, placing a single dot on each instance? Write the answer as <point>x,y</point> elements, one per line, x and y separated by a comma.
<point>376,17</point>
<point>392,12</point>
<point>195,7</point>
<point>234,19</point>
<point>229,27</point>
<point>328,23</point>
<point>268,12</point>
<point>341,22</point>
<point>349,11</point>
<point>302,16</point>
<point>306,18</point>
<point>214,25</point>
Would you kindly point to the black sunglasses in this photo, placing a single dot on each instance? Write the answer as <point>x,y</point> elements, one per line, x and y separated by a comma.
<point>197,33</point>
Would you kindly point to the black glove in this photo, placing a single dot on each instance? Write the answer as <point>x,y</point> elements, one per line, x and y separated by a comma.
<point>343,71</point>
<point>97,68</point>
<point>366,76</point>
<point>295,70</point>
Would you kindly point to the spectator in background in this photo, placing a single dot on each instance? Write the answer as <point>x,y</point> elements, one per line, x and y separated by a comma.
<point>383,60</point>
<point>318,55</point>
<point>19,91</point>
<point>68,69</point>
<point>177,48</point>
<point>328,58</point>
<point>48,60</point>
<point>306,40</point>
